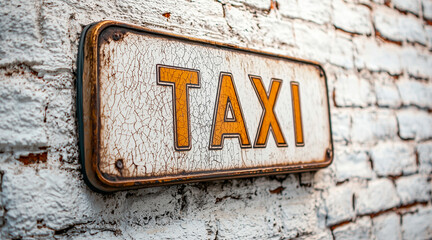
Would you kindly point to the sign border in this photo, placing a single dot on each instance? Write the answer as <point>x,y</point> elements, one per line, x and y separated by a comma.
<point>88,105</point>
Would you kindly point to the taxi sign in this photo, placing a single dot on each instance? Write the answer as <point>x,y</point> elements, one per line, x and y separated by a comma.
<point>156,108</point>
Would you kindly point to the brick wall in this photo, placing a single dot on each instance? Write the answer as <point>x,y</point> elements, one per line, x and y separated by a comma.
<point>377,55</point>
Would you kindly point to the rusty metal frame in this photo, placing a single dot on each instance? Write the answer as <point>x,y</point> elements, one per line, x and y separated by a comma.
<point>88,115</point>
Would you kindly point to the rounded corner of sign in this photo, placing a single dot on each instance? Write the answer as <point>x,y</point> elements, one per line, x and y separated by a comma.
<point>99,183</point>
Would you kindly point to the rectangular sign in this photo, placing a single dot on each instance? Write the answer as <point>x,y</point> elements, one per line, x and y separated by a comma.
<point>157,108</point>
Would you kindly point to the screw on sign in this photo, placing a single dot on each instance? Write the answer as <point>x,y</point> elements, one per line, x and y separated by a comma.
<point>157,108</point>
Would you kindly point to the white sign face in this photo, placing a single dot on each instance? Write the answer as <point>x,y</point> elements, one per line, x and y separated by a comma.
<point>164,109</point>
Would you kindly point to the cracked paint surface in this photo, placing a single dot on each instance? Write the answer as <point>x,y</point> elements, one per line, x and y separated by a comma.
<point>137,121</point>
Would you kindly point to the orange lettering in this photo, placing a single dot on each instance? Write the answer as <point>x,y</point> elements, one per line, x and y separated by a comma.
<point>180,79</point>
<point>298,127</point>
<point>228,118</point>
<point>268,117</point>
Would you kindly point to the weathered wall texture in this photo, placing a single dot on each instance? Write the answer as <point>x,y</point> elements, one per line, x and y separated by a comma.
<point>377,55</point>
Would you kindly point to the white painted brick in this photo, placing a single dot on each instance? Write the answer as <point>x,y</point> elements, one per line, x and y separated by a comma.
<point>339,204</point>
<point>22,43</point>
<point>358,230</point>
<point>324,235</point>
<point>379,195</point>
<point>417,225</point>
<point>412,29</point>
<point>428,30</point>
<point>427,9</point>
<point>393,159</point>
<point>57,191</point>
<point>22,108</point>
<point>353,91</point>
<point>312,42</point>
<point>324,178</point>
<point>311,10</point>
<point>424,151</point>
<point>274,32</point>
<point>416,63</point>
<point>341,124</point>
<point>351,17</point>
<point>241,22</point>
<point>341,52</point>
<point>414,124</point>
<point>387,226</point>
<point>377,57</point>
<point>369,127</point>
<point>350,163</point>
<point>413,188</point>
<point>412,6</point>
<point>415,93</point>
<point>398,27</point>
<point>259,4</point>
<point>387,93</point>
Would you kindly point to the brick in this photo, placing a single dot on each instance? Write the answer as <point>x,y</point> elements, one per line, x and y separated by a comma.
<point>312,42</point>
<point>341,125</point>
<point>427,9</point>
<point>369,127</point>
<point>386,91</point>
<point>339,204</point>
<point>351,17</point>
<point>22,107</point>
<point>413,188</point>
<point>415,93</point>
<point>379,195</point>
<point>417,225</point>
<point>414,124</point>
<point>398,27</point>
<point>424,153</point>
<point>274,32</point>
<point>393,159</point>
<point>387,226</point>
<point>358,230</point>
<point>412,6</point>
<point>416,63</point>
<point>341,52</point>
<point>241,22</point>
<point>311,10</point>
<point>350,163</point>
<point>353,91</point>
<point>259,4</point>
<point>428,30</point>
<point>377,57</point>
<point>22,43</point>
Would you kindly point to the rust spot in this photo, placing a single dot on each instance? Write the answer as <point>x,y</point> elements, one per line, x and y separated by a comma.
<point>113,34</point>
<point>339,225</point>
<point>34,158</point>
<point>378,35</point>
<point>117,36</point>
<point>277,190</point>
<point>274,5</point>
<point>387,3</point>
<point>167,15</point>
<point>428,21</point>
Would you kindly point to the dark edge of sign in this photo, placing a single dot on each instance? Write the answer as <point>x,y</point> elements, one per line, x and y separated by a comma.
<point>79,106</point>
<point>79,80</point>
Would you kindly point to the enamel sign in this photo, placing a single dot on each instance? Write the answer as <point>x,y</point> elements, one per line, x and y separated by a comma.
<point>157,108</point>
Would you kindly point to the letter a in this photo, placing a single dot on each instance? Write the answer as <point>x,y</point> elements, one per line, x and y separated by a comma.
<point>225,125</point>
